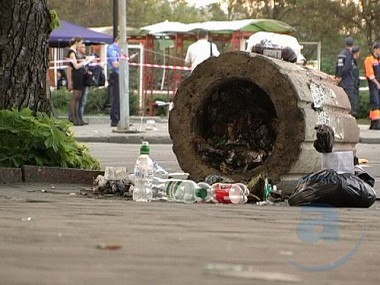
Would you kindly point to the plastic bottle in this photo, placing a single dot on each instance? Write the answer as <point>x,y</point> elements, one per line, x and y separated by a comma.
<point>143,175</point>
<point>159,172</point>
<point>162,173</point>
<point>226,193</point>
<point>185,191</point>
<point>268,188</point>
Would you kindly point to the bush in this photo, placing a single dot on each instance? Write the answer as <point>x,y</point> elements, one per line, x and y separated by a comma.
<point>97,102</point>
<point>61,100</point>
<point>364,104</point>
<point>40,140</point>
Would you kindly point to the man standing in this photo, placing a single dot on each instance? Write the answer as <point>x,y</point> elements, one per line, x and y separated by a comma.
<point>344,71</point>
<point>201,50</point>
<point>355,99</point>
<point>372,72</point>
<point>113,61</point>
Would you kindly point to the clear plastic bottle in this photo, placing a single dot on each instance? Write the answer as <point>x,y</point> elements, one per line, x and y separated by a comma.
<point>185,191</point>
<point>226,193</point>
<point>143,175</point>
<point>159,172</point>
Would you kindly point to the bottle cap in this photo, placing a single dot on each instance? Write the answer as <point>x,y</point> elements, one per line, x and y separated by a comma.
<point>202,193</point>
<point>144,149</point>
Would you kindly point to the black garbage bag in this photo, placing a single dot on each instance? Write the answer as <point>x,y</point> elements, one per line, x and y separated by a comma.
<point>327,187</point>
<point>325,139</point>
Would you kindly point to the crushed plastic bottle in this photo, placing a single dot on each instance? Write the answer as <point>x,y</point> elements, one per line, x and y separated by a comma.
<point>226,193</point>
<point>159,172</point>
<point>143,175</point>
<point>215,178</point>
<point>185,191</point>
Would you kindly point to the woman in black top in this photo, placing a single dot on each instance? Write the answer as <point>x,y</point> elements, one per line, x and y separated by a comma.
<point>76,79</point>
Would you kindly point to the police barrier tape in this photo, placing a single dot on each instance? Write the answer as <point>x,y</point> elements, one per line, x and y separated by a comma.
<point>161,66</point>
<point>172,67</point>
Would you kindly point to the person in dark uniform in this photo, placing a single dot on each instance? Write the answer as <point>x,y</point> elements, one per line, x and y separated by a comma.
<point>355,98</point>
<point>344,71</point>
<point>113,61</point>
<point>372,72</point>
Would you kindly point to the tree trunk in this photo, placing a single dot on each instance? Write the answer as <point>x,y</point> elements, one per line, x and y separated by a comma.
<point>24,33</point>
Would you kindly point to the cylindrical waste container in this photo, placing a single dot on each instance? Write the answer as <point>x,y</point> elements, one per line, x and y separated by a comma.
<point>241,114</point>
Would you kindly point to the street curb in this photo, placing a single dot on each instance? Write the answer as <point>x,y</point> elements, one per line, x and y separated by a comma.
<point>10,175</point>
<point>165,140</point>
<point>38,174</point>
<point>126,139</point>
<point>369,140</point>
<point>43,174</point>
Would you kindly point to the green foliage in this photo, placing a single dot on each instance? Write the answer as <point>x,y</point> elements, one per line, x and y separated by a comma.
<point>134,108</point>
<point>97,102</point>
<point>364,104</point>
<point>61,100</point>
<point>139,13</point>
<point>328,64</point>
<point>41,140</point>
<point>55,23</point>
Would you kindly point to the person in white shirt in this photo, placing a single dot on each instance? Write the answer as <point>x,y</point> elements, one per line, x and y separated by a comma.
<point>201,50</point>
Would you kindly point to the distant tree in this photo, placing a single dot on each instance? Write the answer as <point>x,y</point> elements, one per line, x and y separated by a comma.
<point>88,13</point>
<point>92,13</point>
<point>24,32</point>
<point>214,12</point>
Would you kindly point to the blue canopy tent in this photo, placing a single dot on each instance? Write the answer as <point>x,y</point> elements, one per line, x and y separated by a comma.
<point>59,40</point>
<point>61,37</point>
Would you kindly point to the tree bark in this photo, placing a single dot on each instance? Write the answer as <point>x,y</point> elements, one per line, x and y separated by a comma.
<point>24,33</point>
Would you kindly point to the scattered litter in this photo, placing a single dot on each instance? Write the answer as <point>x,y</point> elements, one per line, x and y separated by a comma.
<point>103,187</point>
<point>109,246</point>
<point>264,203</point>
<point>211,179</point>
<point>178,175</point>
<point>338,190</point>
<point>52,187</point>
<point>115,173</point>
<point>150,125</point>
<point>159,172</point>
<point>27,219</point>
<point>43,190</point>
<point>72,194</point>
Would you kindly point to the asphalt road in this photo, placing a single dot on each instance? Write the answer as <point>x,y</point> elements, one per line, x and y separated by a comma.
<point>48,235</point>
